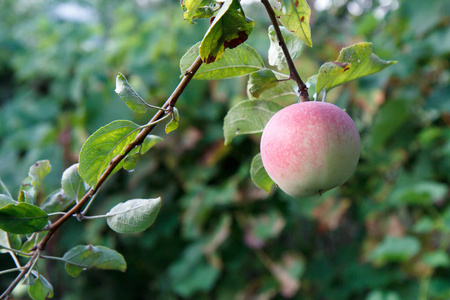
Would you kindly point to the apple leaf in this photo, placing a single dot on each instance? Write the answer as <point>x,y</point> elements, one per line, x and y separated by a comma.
<point>72,183</point>
<point>150,141</point>
<point>229,29</point>
<point>353,62</point>
<point>248,117</point>
<point>5,199</point>
<point>81,257</point>
<point>261,81</point>
<point>133,215</point>
<point>294,15</point>
<point>131,159</point>
<point>395,250</point>
<point>259,175</point>
<point>102,146</point>
<point>234,62</point>
<point>276,55</point>
<point>32,241</point>
<point>22,218</point>
<point>4,190</point>
<point>196,9</point>
<point>173,124</point>
<point>56,202</point>
<point>436,259</point>
<point>41,289</point>
<point>30,185</point>
<point>129,96</point>
<point>9,240</point>
<point>267,84</point>
<point>311,84</point>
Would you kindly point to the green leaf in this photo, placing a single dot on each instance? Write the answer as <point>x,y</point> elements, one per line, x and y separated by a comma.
<point>9,240</point>
<point>56,202</point>
<point>229,29</point>
<point>248,117</point>
<point>22,218</point>
<point>419,193</point>
<point>41,289</point>
<point>311,85</point>
<point>133,215</point>
<point>353,62</point>
<point>267,84</point>
<point>294,15</point>
<point>4,190</point>
<point>192,273</point>
<point>259,175</point>
<point>276,55</point>
<point>30,185</point>
<point>32,241</point>
<point>131,159</point>
<point>102,146</point>
<point>149,141</point>
<point>381,295</point>
<point>5,199</point>
<point>38,171</point>
<point>72,183</point>
<point>173,124</point>
<point>93,257</point>
<point>395,250</point>
<point>129,96</point>
<point>196,9</point>
<point>267,225</point>
<point>437,259</point>
<point>389,119</point>
<point>235,62</point>
<point>261,81</point>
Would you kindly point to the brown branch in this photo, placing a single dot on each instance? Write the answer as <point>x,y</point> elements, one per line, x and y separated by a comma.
<point>170,103</point>
<point>302,88</point>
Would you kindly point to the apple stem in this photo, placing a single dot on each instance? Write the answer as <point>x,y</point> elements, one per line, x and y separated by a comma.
<point>302,88</point>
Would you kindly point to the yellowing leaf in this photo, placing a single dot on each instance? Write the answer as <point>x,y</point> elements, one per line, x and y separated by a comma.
<point>193,9</point>
<point>353,62</point>
<point>294,15</point>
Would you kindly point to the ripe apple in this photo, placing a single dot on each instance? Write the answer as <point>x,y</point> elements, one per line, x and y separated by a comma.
<point>310,147</point>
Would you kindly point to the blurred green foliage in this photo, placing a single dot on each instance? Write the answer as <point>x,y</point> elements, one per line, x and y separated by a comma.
<point>384,235</point>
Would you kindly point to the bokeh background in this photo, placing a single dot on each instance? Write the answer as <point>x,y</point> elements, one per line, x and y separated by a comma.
<point>384,234</point>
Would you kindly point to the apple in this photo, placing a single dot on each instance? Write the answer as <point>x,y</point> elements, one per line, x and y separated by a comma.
<point>310,147</point>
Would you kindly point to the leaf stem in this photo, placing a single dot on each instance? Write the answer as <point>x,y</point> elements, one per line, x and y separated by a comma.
<point>15,251</point>
<point>168,114</point>
<point>95,217</point>
<point>161,113</point>
<point>156,107</point>
<point>11,270</point>
<point>302,88</point>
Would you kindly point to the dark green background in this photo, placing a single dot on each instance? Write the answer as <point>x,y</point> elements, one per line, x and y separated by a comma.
<point>383,235</point>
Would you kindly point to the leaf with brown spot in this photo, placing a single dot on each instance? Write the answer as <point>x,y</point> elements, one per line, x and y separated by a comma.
<point>229,29</point>
<point>353,62</point>
<point>295,17</point>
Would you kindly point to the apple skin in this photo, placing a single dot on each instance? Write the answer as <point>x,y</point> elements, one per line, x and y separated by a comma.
<point>310,147</point>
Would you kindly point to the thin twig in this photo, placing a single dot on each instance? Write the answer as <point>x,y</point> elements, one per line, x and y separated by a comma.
<point>10,270</point>
<point>15,251</point>
<point>302,88</point>
<point>168,105</point>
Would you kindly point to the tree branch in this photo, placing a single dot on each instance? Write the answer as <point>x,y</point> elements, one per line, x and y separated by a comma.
<point>170,103</point>
<point>302,88</point>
